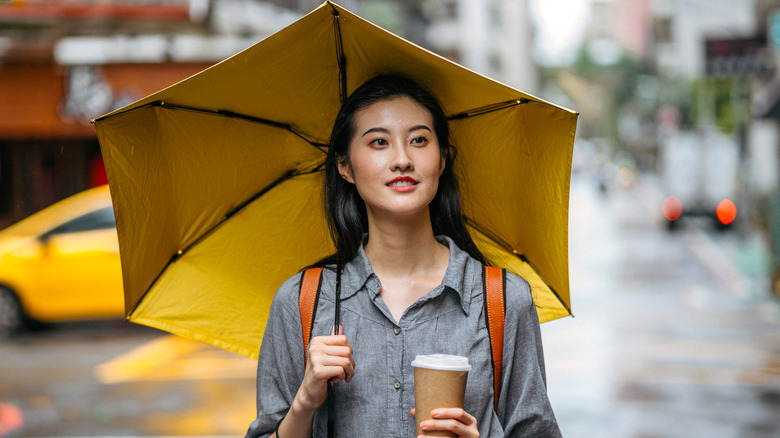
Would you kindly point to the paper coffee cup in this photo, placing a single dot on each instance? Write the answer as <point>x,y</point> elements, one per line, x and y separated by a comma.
<point>439,382</point>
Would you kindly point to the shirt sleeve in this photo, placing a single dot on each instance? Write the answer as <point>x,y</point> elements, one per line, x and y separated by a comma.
<point>524,408</point>
<point>280,366</point>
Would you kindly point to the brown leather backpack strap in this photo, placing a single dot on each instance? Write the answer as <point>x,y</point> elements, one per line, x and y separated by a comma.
<point>307,302</point>
<point>494,282</point>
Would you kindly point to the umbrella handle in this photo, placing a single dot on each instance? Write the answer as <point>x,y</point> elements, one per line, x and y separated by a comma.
<point>336,326</point>
<point>331,412</point>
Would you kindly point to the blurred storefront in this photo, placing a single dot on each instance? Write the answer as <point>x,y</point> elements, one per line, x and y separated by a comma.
<point>48,148</point>
<point>63,63</point>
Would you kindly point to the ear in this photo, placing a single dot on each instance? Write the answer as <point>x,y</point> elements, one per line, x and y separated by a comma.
<point>442,164</point>
<point>345,170</point>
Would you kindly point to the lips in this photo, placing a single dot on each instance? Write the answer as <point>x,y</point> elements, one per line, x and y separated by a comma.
<point>402,183</point>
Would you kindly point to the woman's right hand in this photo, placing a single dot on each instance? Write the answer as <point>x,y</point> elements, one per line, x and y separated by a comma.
<point>330,360</point>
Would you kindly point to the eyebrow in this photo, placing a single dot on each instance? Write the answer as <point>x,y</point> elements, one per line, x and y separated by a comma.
<point>385,131</point>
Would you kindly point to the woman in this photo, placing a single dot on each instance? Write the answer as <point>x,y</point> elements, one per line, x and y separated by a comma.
<point>410,284</point>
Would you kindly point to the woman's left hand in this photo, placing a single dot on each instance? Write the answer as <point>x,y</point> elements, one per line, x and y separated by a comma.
<point>454,420</point>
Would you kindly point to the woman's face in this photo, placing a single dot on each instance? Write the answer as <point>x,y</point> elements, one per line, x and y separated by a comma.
<point>394,159</point>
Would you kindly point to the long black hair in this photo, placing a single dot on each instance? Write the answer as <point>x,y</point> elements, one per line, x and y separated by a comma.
<point>345,209</point>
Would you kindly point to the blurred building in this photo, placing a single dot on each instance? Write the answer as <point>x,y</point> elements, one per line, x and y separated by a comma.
<point>617,26</point>
<point>491,37</point>
<point>682,26</point>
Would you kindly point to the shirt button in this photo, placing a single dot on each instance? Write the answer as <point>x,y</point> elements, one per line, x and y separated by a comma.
<point>397,384</point>
<point>396,330</point>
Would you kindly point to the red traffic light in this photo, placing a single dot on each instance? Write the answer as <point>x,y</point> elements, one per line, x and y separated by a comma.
<point>672,208</point>
<point>726,212</point>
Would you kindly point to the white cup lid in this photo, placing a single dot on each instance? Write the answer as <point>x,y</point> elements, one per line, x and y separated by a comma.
<point>442,362</point>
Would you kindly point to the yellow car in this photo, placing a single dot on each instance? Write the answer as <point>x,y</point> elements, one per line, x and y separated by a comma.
<point>61,263</point>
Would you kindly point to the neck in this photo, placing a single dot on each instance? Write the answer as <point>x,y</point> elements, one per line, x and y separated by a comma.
<point>403,247</point>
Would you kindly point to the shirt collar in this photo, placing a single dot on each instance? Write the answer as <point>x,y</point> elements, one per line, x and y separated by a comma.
<point>358,273</point>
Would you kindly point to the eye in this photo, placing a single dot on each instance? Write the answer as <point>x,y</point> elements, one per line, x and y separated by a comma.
<point>378,142</point>
<point>421,140</point>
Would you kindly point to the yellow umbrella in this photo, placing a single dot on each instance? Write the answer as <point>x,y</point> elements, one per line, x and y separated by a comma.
<point>216,180</point>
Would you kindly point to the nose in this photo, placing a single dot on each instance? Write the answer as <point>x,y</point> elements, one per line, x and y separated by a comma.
<point>401,159</point>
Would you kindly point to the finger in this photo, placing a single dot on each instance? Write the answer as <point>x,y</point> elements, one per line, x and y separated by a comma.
<point>330,340</point>
<point>337,341</point>
<point>330,350</point>
<point>454,420</point>
<point>323,357</point>
<point>349,372</point>
<point>448,425</point>
<point>333,374</point>
<point>333,350</point>
<point>413,411</point>
<point>455,414</point>
<point>331,354</point>
<point>319,360</point>
<point>348,369</point>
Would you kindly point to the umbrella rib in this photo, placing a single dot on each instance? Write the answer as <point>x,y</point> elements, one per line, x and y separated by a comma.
<point>489,108</point>
<point>286,126</point>
<point>505,245</point>
<point>178,254</point>
<point>272,123</point>
<point>321,146</point>
<point>288,175</point>
<point>342,60</point>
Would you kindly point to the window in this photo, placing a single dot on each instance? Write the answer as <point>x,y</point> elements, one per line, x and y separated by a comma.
<point>96,220</point>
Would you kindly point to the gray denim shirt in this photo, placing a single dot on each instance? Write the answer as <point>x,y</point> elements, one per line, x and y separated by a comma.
<point>450,320</point>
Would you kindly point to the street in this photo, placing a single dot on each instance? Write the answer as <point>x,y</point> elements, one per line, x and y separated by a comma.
<point>674,335</point>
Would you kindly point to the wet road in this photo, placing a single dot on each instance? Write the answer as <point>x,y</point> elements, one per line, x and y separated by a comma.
<point>674,336</point>
<point>113,378</point>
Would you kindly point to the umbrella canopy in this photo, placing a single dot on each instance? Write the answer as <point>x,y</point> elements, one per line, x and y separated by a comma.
<point>216,180</point>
